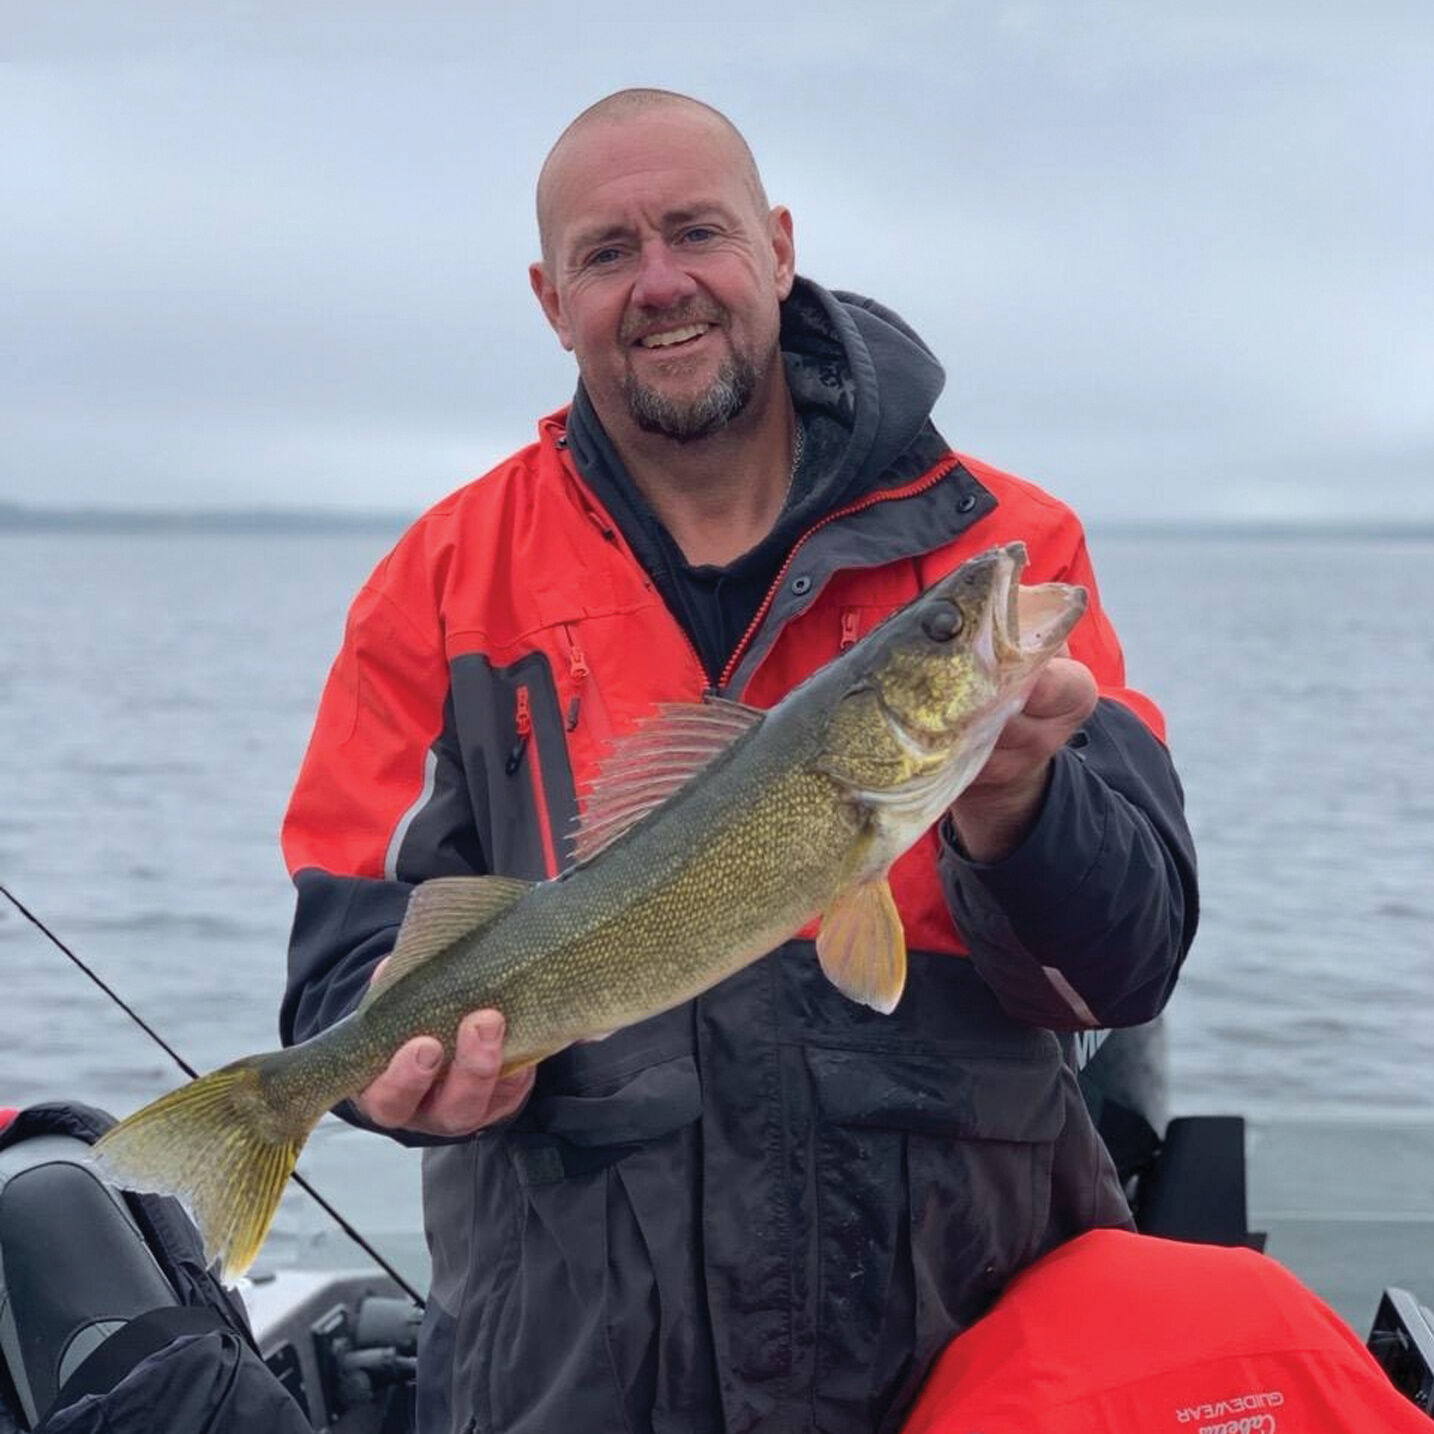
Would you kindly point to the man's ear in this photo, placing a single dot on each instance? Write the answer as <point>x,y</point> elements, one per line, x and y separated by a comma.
<point>546,293</point>
<point>784,248</point>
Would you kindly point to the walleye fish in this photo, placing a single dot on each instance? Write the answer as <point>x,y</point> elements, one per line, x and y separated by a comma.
<point>713,834</point>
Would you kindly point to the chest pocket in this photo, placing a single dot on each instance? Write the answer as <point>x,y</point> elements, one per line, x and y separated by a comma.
<point>535,719</point>
<point>508,722</point>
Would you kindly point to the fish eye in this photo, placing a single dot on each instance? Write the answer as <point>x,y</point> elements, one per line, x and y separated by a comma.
<point>943,623</point>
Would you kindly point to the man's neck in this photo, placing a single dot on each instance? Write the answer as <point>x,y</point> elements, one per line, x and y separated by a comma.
<point>719,496</point>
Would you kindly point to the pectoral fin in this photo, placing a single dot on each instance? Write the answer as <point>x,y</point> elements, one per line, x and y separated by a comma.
<point>862,946</point>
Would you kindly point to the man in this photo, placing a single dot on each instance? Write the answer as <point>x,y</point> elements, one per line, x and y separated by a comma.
<point>768,1209</point>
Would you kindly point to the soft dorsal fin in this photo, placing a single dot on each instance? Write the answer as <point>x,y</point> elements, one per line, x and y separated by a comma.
<point>441,911</point>
<point>656,759</point>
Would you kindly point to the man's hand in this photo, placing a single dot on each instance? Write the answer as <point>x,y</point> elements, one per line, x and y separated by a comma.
<point>995,812</point>
<point>418,1092</point>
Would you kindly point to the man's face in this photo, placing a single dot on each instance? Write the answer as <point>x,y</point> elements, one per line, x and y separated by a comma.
<point>663,272</point>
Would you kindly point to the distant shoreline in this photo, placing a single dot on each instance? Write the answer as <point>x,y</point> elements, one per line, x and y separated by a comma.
<point>281,522</point>
<point>1262,530</point>
<point>276,522</point>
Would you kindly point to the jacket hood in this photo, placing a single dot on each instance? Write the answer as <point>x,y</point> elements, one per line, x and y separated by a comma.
<point>863,383</point>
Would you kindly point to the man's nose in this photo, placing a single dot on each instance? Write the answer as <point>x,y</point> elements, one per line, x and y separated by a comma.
<point>661,281</point>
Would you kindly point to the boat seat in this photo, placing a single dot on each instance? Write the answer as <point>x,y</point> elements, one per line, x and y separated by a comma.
<point>74,1267</point>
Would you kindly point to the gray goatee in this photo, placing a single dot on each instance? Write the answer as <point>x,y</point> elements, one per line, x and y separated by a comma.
<point>689,419</point>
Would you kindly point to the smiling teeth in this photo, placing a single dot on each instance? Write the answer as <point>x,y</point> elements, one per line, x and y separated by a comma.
<point>673,336</point>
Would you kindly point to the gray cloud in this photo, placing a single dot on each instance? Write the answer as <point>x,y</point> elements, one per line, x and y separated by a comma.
<point>1173,262</point>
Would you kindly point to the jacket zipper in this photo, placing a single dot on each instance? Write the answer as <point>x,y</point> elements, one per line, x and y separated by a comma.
<point>929,480</point>
<point>848,628</point>
<point>609,532</point>
<point>586,696</point>
<point>526,746</point>
<point>579,671</point>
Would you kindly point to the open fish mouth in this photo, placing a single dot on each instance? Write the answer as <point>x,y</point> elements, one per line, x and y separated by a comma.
<point>972,676</point>
<point>1025,624</point>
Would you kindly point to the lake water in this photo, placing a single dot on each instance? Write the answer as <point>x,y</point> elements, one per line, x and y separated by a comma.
<point>156,692</point>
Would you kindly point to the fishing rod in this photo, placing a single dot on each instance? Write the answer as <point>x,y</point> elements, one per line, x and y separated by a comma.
<point>193,1074</point>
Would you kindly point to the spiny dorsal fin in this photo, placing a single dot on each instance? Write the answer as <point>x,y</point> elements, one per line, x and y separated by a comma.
<point>441,911</point>
<point>656,759</point>
<point>862,946</point>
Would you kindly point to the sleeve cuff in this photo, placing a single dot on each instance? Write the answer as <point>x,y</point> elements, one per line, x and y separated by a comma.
<point>1053,859</point>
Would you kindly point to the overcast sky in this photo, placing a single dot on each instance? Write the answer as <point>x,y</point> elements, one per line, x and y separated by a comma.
<point>1176,255</point>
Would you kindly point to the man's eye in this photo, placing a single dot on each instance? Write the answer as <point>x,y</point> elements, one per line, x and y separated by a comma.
<point>600,257</point>
<point>698,234</point>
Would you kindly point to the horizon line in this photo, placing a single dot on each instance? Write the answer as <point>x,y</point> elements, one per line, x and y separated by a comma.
<point>272,519</point>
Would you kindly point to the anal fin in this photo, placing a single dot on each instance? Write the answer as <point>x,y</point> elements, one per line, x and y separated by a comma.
<point>862,946</point>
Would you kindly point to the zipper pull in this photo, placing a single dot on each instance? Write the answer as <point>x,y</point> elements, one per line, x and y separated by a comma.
<point>523,725</point>
<point>602,525</point>
<point>577,662</point>
<point>848,627</point>
<point>579,671</point>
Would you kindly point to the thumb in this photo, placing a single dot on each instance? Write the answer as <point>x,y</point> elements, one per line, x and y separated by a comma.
<point>1065,690</point>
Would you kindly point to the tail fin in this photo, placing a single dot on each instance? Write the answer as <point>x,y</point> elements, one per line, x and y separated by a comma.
<point>219,1145</point>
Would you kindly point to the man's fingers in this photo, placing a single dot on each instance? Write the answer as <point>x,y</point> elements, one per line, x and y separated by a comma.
<point>465,1099</point>
<point>479,1050</point>
<point>1059,703</point>
<point>419,1092</point>
<point>393,1098</point>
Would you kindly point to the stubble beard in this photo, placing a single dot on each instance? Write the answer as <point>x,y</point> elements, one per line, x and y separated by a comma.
<point>687,419</point>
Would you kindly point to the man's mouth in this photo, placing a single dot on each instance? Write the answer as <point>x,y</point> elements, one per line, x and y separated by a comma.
<point>667,338</point>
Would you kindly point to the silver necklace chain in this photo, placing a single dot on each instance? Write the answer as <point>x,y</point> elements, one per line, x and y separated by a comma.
<point>799,447</point>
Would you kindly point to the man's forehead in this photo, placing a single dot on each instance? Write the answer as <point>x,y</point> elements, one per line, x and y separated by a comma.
<point>671,144</point>
<point>678,159</point>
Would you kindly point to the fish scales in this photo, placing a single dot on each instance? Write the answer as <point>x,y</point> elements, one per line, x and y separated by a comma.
<point>662,915</point>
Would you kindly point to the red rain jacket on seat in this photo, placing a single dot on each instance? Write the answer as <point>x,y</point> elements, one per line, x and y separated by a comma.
<point>1116,1333</point>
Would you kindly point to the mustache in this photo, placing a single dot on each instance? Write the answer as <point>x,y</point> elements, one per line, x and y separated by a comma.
<point>637,322</point>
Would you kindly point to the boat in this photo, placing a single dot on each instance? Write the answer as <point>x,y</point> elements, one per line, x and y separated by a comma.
<point>340,1335</point>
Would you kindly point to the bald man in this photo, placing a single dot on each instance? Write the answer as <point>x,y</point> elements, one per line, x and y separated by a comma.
<point>767,1209</point>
